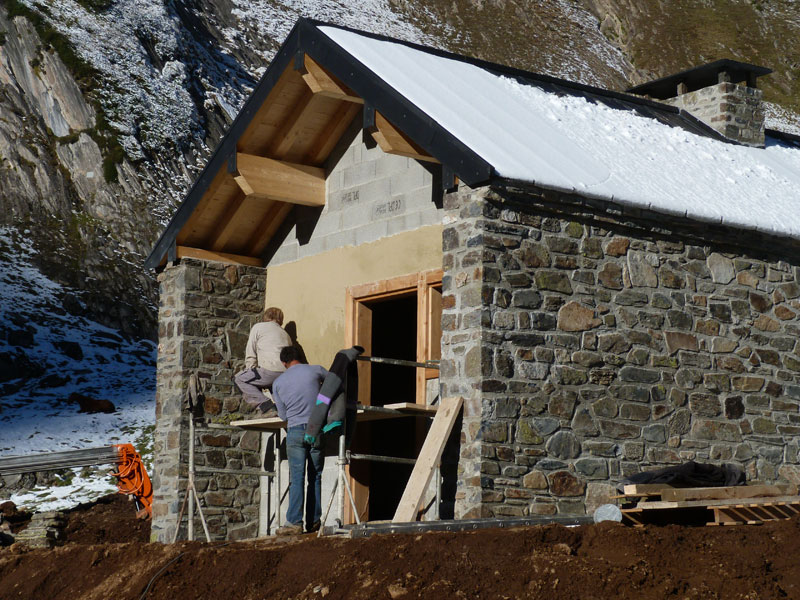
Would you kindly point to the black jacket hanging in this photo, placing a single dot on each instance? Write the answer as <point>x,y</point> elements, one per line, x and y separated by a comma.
<point>338,397</point>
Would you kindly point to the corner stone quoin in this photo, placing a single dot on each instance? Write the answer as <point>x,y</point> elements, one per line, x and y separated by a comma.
<point>574,316</point>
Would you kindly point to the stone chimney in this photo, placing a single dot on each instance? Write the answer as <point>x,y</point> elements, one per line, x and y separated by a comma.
<point>722,94</point>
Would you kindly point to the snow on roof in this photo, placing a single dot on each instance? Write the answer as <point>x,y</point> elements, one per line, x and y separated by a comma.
<point>570,143</point>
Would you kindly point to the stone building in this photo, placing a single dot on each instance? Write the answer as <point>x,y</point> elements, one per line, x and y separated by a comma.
<point>610,281</point>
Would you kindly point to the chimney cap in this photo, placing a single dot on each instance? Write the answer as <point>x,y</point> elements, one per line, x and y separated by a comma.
<point>700,77</point>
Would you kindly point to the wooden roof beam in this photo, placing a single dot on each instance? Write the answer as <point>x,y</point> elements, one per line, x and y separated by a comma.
<point>285,137</point>
<point>390,139</point>
<point>237,259</point>
<point>321,82</point>
<point>189,229</point>
<point>258,176</point>
<point>228,225</point>
<point>267,228</point>
<point>329,137</point>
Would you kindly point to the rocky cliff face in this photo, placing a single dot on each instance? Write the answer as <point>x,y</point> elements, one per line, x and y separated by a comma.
<point>89,232</point>
<point>108,108</point>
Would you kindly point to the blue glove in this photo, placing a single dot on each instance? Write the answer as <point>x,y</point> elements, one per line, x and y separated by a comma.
<point>309,439</point>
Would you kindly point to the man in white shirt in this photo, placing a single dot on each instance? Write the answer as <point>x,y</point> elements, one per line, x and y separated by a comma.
<point>262,359</point>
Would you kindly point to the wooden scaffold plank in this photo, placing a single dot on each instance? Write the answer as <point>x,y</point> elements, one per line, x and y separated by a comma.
<point>427,460</point>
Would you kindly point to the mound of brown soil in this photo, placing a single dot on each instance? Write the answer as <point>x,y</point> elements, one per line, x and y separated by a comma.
<point>111,519</point>
<point>592,562</point>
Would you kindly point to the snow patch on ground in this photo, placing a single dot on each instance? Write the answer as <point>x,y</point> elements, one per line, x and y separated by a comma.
<point>35,416</point>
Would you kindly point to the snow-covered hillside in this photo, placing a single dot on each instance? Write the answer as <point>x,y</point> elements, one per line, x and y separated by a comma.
<point>49,351</point>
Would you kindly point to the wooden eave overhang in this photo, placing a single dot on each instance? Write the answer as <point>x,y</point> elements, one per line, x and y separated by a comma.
<point>273,157</point>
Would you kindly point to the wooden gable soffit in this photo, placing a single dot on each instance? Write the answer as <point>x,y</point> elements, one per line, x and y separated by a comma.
<point>390,139</point>
<point>237,259</point>
<point>262,177</point>
<point>322,82</point>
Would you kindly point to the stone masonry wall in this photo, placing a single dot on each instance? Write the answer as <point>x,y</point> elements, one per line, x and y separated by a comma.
<point>205,314</point>
<point>460,371</point>
<point>592,343</point>
<point>733,110</point>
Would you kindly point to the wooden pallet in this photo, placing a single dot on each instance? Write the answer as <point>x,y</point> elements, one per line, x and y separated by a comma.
<point>755,512</point>
<point>652,504</point>
<point>666,492</point>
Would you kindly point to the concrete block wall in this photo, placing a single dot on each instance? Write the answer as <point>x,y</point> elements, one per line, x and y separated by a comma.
<point>593,341</point>
<point>733,110</point>
<point>370,195</point>
<point>205,314</point>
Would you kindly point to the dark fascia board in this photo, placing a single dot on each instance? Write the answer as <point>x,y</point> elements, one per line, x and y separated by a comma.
<point>225,149</point>
<point>698,77</point>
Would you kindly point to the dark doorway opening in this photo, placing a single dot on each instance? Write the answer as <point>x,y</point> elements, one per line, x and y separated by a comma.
<point>394,335</point>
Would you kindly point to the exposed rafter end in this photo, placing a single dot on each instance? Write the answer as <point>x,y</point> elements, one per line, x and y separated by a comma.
<point>321,82</point>
<point>390,139</point>
<point>261,177</point>
<point>237,259</point>
<point>449,180</point>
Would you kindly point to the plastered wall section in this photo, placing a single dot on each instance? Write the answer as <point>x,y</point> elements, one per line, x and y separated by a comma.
<point>380,221</point>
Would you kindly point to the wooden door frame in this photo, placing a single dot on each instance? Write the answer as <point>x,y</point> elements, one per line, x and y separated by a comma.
<point>422,283</point>
<point>357,321</point>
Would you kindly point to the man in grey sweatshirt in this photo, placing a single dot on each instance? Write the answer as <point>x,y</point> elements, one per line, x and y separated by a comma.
<point>295,393</point>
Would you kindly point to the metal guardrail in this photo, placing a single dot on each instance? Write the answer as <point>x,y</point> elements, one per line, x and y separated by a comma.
<point>384,459</point>
<point>252,472</point>
<point>430,364</point>
<point>53,461</point>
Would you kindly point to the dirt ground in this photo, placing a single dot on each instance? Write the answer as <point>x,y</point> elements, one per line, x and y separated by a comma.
<point>107,557</point>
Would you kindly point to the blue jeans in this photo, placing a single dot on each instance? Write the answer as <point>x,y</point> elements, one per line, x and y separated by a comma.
<point>303,459</point>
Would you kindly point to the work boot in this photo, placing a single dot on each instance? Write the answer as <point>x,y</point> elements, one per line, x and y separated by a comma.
<point>314,527</point>
<point>290,529</point>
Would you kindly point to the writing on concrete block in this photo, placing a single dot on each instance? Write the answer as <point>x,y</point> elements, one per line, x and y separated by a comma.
<point>350,197</point>
<point>387,209</point>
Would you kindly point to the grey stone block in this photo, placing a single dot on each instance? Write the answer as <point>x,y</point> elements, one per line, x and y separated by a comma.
<point>327,224</point>
<point>358,174</point>
<point>418,199</point>
<point>431,216</point>
<point>340,239</point>
<point>356,216</point>
<point>312,248</point>
<point>334,181</point>
<point>386,208</point>
<point>375,191</point>
<point>371,232</point>
<point>403,181</point>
